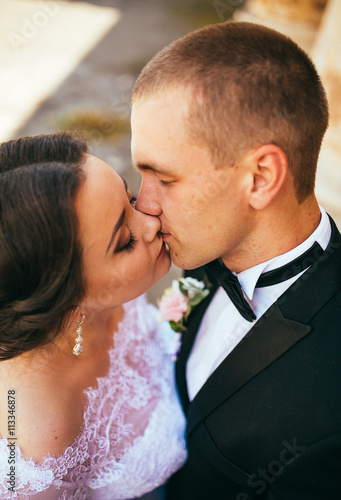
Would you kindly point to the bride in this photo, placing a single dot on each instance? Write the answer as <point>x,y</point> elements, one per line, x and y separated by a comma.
<point>90,407</point>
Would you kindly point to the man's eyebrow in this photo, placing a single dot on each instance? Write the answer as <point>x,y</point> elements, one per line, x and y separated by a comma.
<point>153,168</point>
<point>119,223</point>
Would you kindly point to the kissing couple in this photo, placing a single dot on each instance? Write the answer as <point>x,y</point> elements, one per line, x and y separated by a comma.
<point>227,125</point>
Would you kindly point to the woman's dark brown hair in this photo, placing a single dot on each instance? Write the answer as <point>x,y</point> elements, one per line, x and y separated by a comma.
<point>41,278</point>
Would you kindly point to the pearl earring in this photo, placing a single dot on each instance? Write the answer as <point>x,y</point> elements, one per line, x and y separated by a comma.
<point>78,348</point>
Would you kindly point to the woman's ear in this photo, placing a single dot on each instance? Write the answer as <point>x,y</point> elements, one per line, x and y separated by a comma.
<point>270,168</point>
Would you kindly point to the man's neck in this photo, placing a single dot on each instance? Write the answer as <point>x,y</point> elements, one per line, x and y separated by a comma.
<point>275,233</point>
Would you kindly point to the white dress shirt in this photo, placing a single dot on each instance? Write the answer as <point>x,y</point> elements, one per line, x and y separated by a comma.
<point>223,327</point>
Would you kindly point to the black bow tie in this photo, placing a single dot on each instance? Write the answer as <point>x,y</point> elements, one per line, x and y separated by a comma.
<point>221,275</point>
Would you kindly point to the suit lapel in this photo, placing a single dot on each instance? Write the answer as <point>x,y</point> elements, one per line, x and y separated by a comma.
<point>271,336</point>
<point>317,285</point>
<point>280,328</point>
<point>186,346</point>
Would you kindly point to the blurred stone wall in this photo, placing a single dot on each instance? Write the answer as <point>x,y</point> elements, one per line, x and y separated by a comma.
<point>316,26</point>
<point>326,53</point>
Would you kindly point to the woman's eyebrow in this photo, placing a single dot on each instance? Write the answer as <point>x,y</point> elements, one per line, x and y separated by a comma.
<point>124,182</point>
<point>117,226</point>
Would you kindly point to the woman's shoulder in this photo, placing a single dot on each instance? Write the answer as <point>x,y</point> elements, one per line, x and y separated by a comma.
<point>46,416</point>
<point>49,429</point>
<point>44,451</point>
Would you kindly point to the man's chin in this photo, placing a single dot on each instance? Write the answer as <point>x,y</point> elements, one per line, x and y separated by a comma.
<point>182,261</point>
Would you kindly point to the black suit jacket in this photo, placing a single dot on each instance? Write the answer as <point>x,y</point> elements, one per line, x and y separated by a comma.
<point>267,423</point>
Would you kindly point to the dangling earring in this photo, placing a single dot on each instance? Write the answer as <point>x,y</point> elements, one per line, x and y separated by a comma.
<point>78,349</point>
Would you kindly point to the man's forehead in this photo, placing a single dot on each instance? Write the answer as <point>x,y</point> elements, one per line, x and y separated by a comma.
<point>164,99</point>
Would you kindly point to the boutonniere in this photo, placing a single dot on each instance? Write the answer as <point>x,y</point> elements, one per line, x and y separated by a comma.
<point>176,305</point>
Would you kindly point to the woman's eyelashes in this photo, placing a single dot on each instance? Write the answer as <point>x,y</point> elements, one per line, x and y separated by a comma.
<point>129,247</point>
<point>131,243</point>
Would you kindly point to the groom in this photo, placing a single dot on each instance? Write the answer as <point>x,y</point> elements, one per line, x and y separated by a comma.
<point>227,124</point>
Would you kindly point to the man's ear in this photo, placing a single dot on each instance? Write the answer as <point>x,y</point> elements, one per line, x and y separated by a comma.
<point>270,169</point>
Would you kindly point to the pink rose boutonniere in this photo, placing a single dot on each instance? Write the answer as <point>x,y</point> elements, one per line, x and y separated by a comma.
<point>176,305</point>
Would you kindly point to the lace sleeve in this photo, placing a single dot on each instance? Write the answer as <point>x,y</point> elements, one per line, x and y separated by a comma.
<point>132,437</point>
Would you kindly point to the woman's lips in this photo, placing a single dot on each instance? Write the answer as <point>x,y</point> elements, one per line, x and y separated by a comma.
<point>162,251</point>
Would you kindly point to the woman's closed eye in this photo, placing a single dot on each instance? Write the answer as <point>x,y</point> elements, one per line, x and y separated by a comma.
<point>131,244</point>
<point>129,247</point>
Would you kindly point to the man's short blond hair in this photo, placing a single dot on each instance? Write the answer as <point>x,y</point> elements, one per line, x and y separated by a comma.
<point>249,85</point>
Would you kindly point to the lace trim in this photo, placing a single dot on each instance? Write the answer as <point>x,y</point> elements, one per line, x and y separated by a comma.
<point>132,408</point>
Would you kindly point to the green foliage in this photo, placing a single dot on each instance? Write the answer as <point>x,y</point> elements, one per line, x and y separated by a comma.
<point>198,298</point>
<point>197,13</point>
<point>95,125</point>
<point>177,327</point>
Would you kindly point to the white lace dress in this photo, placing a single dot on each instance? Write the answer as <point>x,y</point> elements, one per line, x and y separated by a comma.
<point>132,439</point>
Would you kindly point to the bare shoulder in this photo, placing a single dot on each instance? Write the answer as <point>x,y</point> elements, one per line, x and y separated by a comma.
<point>48,416</point>
<point>49,391</point>
<point>48,423</point>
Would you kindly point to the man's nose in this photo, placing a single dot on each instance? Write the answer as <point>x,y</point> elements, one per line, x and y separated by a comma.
<point>146,202</point>
<point>151,226</point>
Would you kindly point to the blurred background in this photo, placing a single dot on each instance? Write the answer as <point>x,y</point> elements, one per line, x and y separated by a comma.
<point>69,64</point>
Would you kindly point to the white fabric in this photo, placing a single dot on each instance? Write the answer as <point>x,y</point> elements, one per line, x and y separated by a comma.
<point>223,327</point>
<point>132,438</point>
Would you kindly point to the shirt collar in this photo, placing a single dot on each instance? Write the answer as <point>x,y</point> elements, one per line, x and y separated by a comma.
<point>249,277</point>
